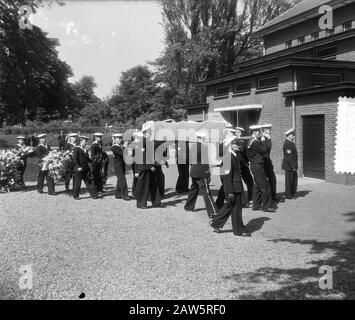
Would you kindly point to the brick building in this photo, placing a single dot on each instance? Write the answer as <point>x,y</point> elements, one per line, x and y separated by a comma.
<point>297,83</point>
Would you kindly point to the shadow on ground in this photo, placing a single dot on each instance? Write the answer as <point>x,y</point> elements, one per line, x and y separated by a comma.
<point>303,283</point>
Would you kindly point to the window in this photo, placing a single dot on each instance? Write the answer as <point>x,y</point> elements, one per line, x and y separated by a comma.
<point>322,79</point>
<point>315,36</point>
<point>221,92</point>
<point>242,87</point>
<point>327,53</point>
<point>347,26</point>
<point>301,40</point>
<point>288,44</point>
<point>330,32</point>
<point>266,83</point>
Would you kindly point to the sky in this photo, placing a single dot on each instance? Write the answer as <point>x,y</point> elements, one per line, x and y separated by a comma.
<point>104,38</point>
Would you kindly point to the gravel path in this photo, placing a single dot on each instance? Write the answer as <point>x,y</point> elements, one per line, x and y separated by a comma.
<point>110,250</point>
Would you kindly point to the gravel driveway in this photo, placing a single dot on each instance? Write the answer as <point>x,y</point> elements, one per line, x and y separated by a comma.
<point>108,249</point>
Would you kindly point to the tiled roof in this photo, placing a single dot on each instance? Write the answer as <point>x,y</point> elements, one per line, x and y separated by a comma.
<point>302,7</point>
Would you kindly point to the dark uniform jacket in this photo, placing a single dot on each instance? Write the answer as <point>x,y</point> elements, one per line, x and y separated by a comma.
<point>267,143</point>
<point>201,170</point>
<point>143,163</point>
<point>182,156</point>
<point>118,152</point>
<point>232,182</point>
<point>290,161</point>
<point>81,159</point>
<point>42,151</point>
<point>69,147</point>
<point>256,152</point>
<point>96,154</point>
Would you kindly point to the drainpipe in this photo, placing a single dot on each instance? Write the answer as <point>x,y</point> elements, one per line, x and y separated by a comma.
<point>295,87</point>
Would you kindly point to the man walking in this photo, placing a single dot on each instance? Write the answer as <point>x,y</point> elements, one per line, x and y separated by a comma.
<point>257,153</point>
<point>42,150</point>
<point>81,171</point>
<point>233,188</point>
<point>290,165</point>
<point>120,167</point>
<point>201,177</point>
<point>97,160</point>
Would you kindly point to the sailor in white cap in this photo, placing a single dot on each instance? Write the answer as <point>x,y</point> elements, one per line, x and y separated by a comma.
<point>69,164</point>
<point>290,164</point>
<point>257,153</point>
<point>20,169</point>
<point>82,170</point>
<point>118,149</point>
<point>269,167</point>
<point>42,150</point>
<point>96,154</point>
<point>201,176</point>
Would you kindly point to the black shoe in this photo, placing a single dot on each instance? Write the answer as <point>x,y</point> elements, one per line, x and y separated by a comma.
<point>243,234</point>
<point>118,198</point>
<point>270,210</point>
<point>143,208</point>
<point>127,199</point>
<point>40,192</point>
<point>215,229</point>
<point>76,198</point>
<point>257,209</point>
<point>52,194</point>
<point>247,205</point>
<point>189,210</point>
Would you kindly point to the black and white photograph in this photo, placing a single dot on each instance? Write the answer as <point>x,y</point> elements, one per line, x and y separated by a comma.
<point>177,150</point>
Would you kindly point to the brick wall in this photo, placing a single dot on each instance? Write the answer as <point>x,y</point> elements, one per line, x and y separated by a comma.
<point>327,105</point>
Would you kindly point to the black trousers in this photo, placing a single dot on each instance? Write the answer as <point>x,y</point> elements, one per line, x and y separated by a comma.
<point>182,184</point>
<point>80,176</point>
<point>248,180</point>
<point>18,177</point>
<point>98,181</point>
<point>134,183</point>
<point>121,185</point>
<point>160,176</point>
<point>40,182</point>
<point>201,185</point>
<point>234,209</point>
<point>262,193</point>
<point>291,184</point>
<point>68,177</point>
<point>270,174</point>
<point>147,188</point>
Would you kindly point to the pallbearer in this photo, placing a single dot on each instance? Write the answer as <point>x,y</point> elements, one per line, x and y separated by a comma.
<point>146,187</point>
<point>82,170</point>
<point>242,153</point>
<point>96,157</point>
<point>118,148</point>
<point>233,188</point>
<point>268,165</point>
<point>257,153</point>
<point>42,150</point>
<point>290,164</point>
<point>182,161</point>
<point>69,164</point>
<point>201,176</point>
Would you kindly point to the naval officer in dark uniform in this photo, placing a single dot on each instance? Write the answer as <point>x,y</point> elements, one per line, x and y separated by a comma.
<point>268,165</point>
<point>96,157</point>
<point>290,165</point>
<point>42,150</point>
<point>69,164</point>
<point>146,187</point>
<point>81,161</point>
<point>201,176</point>
<point>233,188</point>
<point>182,161</point>
<point>257,153</point>
<point>20,170</point>
<point>118,148</point>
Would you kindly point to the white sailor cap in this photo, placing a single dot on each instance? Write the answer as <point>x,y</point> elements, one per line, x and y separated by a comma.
<point>42,135</point>
<point>21,137</point>
<point>98,134</point>
<point>72,135</point>
<point>117,135</point>
<point>239,129</point>
<point>83,137</point>
<point>287,133</point>
<point>255,128</point>
<point>231,129</point>
<point>201,134</point>
<point>267,126</point>
<point>168,121</point>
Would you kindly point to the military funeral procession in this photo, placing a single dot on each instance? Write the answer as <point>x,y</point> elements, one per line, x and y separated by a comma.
<point>177,150</point>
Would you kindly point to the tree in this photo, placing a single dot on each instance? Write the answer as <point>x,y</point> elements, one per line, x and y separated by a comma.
<point>32,77</point>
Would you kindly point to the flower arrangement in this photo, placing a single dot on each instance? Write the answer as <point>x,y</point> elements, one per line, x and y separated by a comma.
<point>54,163</point>
<point>10,161</point>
